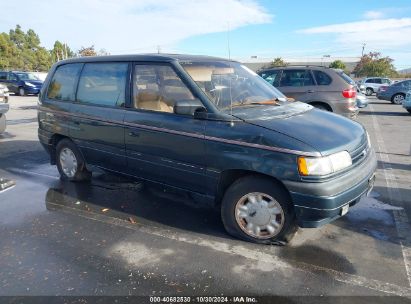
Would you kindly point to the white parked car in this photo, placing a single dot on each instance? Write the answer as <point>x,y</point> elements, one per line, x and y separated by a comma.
<point>372,84</point>
<point>4,106</point>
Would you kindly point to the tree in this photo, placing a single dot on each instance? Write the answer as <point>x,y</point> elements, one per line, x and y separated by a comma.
<point>87,51</point>
<point>373,64</point>
<point>61,51</point>
<point>278,62</point>
<point>337,64</point>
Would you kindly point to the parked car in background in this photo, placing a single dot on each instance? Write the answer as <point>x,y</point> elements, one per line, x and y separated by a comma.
<point>407,101</point>
<point>372,84</point>
<point>395,93</point>
<point>210,127</point>
<point>21,83</point>
<point>4,107</point>
<point>324,88</point>
<point>362,100</point>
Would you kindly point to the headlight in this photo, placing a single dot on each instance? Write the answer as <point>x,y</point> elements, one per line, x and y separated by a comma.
<point>324,165</point>
<point>29,84</point>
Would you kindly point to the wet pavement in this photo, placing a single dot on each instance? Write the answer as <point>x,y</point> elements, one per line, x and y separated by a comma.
<point>114,236</point>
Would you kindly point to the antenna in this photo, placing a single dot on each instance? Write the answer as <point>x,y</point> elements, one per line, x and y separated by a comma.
<point>228,40</point>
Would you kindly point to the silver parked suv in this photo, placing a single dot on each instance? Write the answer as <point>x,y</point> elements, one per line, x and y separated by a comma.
<point>372,84</point>
<point>4,106</point>
<point>322,87</point>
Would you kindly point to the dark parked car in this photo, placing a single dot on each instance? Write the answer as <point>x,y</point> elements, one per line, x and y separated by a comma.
<point>322,87</point>
<point>4,107</point>
<point>396,92</point>
<point>21,83</point>
<point>210,127</point>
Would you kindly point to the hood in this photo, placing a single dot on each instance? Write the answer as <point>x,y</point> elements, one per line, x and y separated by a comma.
<point>326,132</point>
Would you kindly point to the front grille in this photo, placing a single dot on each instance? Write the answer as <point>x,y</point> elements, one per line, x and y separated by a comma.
<point>360,152</point>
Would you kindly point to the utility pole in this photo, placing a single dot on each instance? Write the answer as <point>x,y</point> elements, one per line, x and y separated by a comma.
<point>362,52</point>
<point>158,49</point>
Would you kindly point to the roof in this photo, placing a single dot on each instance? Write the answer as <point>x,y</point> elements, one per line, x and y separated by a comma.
<point>143,57</point>
<point>289,67</point>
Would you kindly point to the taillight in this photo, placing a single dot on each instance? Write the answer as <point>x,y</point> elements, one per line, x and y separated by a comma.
<point>349,93</point>
<point>383,88</point>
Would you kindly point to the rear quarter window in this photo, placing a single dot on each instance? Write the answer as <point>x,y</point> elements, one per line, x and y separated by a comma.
<point>322,78</point>
<point>62,85</point>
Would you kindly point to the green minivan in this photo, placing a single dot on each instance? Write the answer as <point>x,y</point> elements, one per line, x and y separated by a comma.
<point>210,127</point>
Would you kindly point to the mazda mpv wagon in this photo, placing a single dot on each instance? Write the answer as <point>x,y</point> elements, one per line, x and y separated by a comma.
<point>211,127</point>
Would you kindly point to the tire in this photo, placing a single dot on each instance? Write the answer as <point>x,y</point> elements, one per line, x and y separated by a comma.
<point>21,91</point>
<point>397,98</point>
<point>68,156</point>
<point>3,123</point>
<point>409,111</point>
<point>236,224</point>
<point>369,91</point>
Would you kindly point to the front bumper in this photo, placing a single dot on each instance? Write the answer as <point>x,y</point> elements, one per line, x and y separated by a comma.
<point>318,203</point>
<point>32,90</point>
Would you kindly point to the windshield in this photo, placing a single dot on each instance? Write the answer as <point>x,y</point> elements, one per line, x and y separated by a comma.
<point>27,76</point>
<point>229,84</point>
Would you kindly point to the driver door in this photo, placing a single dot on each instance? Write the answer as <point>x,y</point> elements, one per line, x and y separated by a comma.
<point>162,146</point>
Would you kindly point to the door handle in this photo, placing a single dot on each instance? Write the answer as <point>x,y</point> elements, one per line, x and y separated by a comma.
<point>309,91</point>
<point>133,134</point>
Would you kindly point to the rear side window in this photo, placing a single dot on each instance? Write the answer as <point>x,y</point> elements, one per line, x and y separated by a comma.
<point>322,78</point>
<point>272,77</point>
<point>103,84</point>
<point>62,85</point>
<point>378,80</point>
<point>346,78</point>
<point>296,78</point>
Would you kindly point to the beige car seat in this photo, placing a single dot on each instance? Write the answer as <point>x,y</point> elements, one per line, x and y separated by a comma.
<point>151,100</point>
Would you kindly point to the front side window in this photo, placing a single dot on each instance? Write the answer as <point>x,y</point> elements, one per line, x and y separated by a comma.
<point>272,77</point>
<point>322,78</point>
<point>158,88</point>
<point>378,80</point>
<point>62,85</point>
<point>3,76</point>
<point>296,78</point>
<point>103,84</point>
<point>370,81</point>
<point>231,84</point>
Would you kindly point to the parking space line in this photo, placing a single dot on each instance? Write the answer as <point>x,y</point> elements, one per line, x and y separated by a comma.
<point>255,255</point>
<point>34,173</point>
<point>401,220</point>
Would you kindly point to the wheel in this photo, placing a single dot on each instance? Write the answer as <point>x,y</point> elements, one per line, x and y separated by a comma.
<point>258,210</point>
<point>22,92</point>
<point>369,91</point>
<point>321,107</point>
<point>3,123</point>
<point>398,99</point>
<point>70,162</point>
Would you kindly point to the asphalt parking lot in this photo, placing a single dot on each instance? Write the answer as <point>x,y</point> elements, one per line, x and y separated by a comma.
<point>119,237</point>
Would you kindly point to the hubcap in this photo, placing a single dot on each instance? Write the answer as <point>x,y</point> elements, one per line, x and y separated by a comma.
<point>398,99</point>
<point>369,92</point>
<point>21,92</point>
<point>68,162</point>
<point>259,215</point>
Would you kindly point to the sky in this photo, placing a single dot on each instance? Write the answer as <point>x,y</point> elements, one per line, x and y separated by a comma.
<point>262,28</point>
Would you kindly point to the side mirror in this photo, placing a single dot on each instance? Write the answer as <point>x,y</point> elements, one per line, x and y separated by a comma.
<point>189,107</point>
